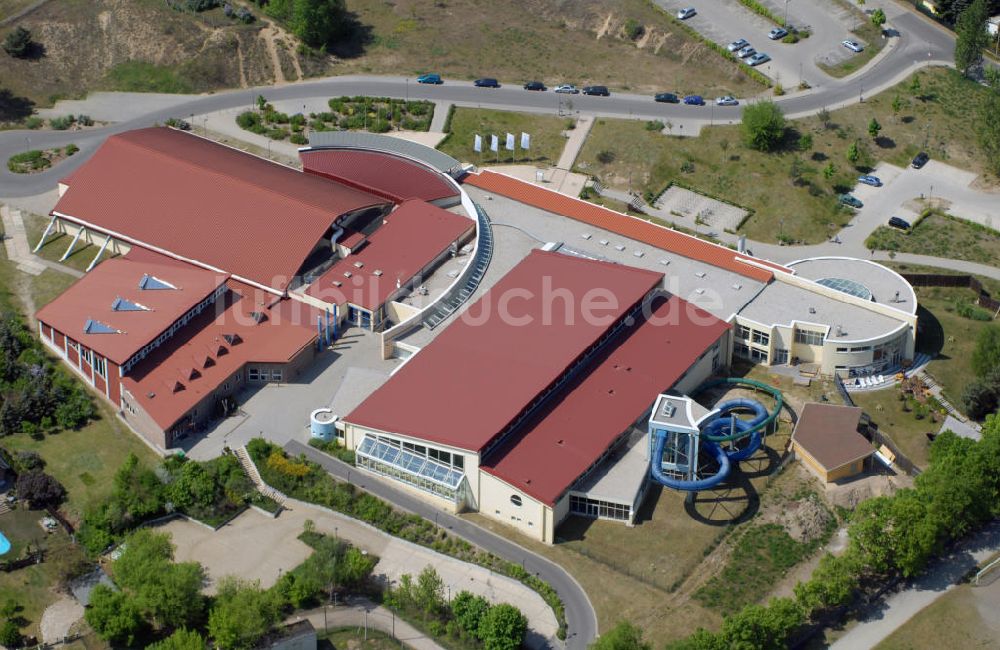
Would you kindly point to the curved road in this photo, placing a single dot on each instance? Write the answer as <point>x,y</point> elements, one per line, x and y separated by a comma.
<point>919,43</point>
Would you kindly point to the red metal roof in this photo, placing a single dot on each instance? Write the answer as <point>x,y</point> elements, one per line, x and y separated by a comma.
<point>204,202</point>
<point>92,298</point>
<point>195,361</point>
<point>551,452</point>
<point>413,235</point>
<point>478,375</point>
<point>380,173</point>
<point>623,224</point>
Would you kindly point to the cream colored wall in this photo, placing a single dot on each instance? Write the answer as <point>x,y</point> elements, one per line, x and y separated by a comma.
<point>702,370</point>
<point>532,518</point>
<point>400,311</point>
<point>70,229</point>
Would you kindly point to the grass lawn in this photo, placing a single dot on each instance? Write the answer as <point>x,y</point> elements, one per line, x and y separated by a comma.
<point>886,411</point>
<point>555,42</point>
<point>57,243</point>
<point>941,235</point>
<point>47,285</point>
<point>965,617</point>
<point>349,638</point>
<point>547,141</point>
<point>787,189</point>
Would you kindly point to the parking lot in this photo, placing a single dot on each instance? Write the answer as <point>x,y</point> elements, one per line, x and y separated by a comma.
<point>725,21</point>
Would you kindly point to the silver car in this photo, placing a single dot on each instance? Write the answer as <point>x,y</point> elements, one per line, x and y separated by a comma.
<point>567,88</point>
<point>746,51</point>
<point>737,45</point>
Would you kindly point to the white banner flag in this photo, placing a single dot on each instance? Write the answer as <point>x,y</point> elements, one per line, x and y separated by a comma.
<point>477,145</point>
<point>494,143</point>
<point>525,140</point>
<point>510,142</point>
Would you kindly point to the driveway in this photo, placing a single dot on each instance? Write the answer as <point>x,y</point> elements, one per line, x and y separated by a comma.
<point>257,547</point>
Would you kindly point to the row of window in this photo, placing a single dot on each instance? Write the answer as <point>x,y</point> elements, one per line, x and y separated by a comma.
<point>454,460</point>
<point>757,336</point>
<point>399,474</point>
<point>809,337</point>
<point>179,323</point>
<point>601,509</point>
<point>863,348</point>
<point>746,352</point>
<point>262,374</point>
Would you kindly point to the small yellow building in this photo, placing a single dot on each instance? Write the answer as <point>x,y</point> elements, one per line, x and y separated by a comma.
<point>827,441</point>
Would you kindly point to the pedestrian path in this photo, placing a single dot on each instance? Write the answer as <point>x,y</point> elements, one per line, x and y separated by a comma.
<point>362,613</point>
<point>574,143</point>
<point>15,242</point>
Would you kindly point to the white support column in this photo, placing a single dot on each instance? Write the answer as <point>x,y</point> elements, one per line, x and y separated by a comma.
<point>93,263</point>
<point>45,234</point>
<point>72,244</point>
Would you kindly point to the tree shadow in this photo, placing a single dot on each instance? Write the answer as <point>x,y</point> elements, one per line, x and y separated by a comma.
<point>14,108</point>
<point>885,143</point>
<point>355,36</point>
<point>34,52</point>
<point>818,156</point>
<point>907,119</point>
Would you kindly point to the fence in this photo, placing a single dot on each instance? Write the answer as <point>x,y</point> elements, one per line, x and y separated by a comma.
<point>842,390</point>
<point>902,462</point>
<point>984,299</point>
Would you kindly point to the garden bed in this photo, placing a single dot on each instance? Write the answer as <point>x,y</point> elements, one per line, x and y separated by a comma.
<point>38,160</point>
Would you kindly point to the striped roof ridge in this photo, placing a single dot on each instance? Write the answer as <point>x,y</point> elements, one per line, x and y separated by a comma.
<point>626,225</point>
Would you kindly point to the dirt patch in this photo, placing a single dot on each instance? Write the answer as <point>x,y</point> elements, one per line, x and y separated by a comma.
<point>59,619</point>
<point>851,494</point>
<point>804,520</point>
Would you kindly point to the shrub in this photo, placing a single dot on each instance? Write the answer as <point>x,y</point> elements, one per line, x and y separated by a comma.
<point>655,125</point>
<point>298,138</point>
<point>10,634</point>
<point>84,120</point>
<point>605,157</point>
<point>763,125</point>
<point>805,142</point>
<point>779,90</point>
<point>634,29</point>
<point>39,489</point>
<point>18,43</point>
<point>34,122</point>
<point>62,123</point>
<point>71,149</point>
<point>28,161</point>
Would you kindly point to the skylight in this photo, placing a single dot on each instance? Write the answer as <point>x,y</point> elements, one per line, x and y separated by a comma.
<point>153,283</point>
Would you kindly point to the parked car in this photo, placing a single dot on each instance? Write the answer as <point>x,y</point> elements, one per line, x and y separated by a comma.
<point>777,32</point>
<point>853,46</point>
<point>567,88</point>
<point>430,79</point>
<point>535,85</point>
<point>684,14</point>
<point>867,179</point>
<point>920,160</point>
<point>746,51</point>
<point>694,100</point>
<point>667,98</point>
<point>896,222</point>
<point>600,91</point>
<point>737,45</point>
<point>727,100</point>
<point>853,201</point>
<point>758,58</point>
<point>487,82</point>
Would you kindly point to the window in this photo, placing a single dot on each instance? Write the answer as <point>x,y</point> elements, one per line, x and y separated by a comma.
<point>760,356</point>
<point>741,350</point>
<point>780,356</point>
<point>761,338</point>
<point>599,509</point>
<point>841,349</point>
<point>275,375</point>
<point>253,374</point>
<point>516,500</point>
<point>225,386</point>
<point>808,337</point>
<point>87,355</point>
<point>101,367</point>
<point>864,348</point>
<point>742,332</point>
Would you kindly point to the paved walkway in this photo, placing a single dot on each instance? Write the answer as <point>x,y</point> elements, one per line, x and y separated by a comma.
<point>15,242</point>
<point>918,594</point>
<point>441,110</point>
<point>361,612</point>
<point>574,143</point>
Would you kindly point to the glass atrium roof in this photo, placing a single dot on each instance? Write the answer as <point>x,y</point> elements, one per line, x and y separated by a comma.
<point>410,463</point>
<point>849,287</point>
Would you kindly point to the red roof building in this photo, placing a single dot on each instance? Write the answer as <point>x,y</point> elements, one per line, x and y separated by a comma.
<point>410,239</point>
<point>625,225</point>
<point>202,202</point>
<point>474,380</point>
<point>591,413</point>
<point>382,174</point>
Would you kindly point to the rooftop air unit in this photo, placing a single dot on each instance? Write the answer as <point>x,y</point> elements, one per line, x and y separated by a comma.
<point>668,410</point>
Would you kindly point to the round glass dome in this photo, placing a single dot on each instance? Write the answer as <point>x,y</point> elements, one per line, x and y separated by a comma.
<point>850,287</point>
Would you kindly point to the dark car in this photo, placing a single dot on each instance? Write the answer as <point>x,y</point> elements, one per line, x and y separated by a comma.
<point>430,79</point>
<point>668,98</point>
<point>487,82</point>
<point>600,91</point>
<point>896,222</point>
<point>920,160</point>
<point>850,200</point>
<point>694,100</point>
<point>535,85</point>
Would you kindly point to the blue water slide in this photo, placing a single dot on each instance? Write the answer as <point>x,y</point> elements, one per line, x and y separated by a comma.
<point>706,483</point>
<point>720,428</point>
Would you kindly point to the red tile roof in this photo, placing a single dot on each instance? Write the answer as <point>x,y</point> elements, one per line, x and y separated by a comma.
<point>829,433</point>
<point>592,411</point>
<point>413,235</point>
<point>623,224</point>
<point>92,298</point>
<point>380,173</point>
<point>204,202</point>
<point>478,375</point>
<point>195,361</point>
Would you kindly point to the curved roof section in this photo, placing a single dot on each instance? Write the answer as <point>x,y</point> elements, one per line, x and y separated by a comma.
<point>376,142</point>
<point>592,411</point>
<point>124,316</point>
<point>881,281</point>
<point>632,227</point>
<point>380,173</point>
<point>488,366</point>
<point>200,201</point>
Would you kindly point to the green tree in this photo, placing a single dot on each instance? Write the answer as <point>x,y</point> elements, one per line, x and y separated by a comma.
<point>468,610</point>
<point>319,23</point>
<point>897,105</point>
<point>428,592</point>
<point>10,634</point>
<point>874,128</point>
<point>989,131</point>
<point>915,86</point>
<point>878,18</point>
<point>759,627</point>
<point>18,43</point>
<point>981,397</point>
<point>113,615</point>
<point>182,639</point>
<point>242,614</point>
<point>39,489</point>
<point>503,628</point>
<point>763,125</point>
<point>986,356</point>
<point>829,171</point>
<point>623,636</point>
<point>832,583</point>
<point>853,154</point>
<point>971,36</point>
<point>193,487</point>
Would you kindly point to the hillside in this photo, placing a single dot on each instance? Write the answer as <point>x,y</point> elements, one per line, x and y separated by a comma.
<point>146,45</point>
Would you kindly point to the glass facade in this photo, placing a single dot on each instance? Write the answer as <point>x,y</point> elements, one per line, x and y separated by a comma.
<point>387,457</point>
<point>583,506</point>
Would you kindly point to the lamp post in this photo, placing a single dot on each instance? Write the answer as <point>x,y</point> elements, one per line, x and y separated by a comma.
<point>27,144</point>
<point>785,19</point>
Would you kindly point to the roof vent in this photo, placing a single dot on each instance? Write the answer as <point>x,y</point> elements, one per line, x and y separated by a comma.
<point>221,351</point>
<point>812,310</point>
<point>209,361</point>
<point>604,242</point>
<point>178,387</point>
<point>620,247</point>
<point>338,283</point>
<point>700,274</point>
<point>638,253</point>
<point>97,327</point>
<point>232,339</point>
<point>668,409</point>
<point>359,264</point>
<point>347,274</point>
<point>193,374</point>
<point>377,272</point>
<point>737,286</point>
<point>586,235</point>
<point>665,262</point>
<point>152,283</point>
<point>122,304</point>
<point>699,291</point>
<point>258,317</point>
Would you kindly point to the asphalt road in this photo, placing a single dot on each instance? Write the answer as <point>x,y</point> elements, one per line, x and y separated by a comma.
<point>580,618</point>
<point>918,43</point>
